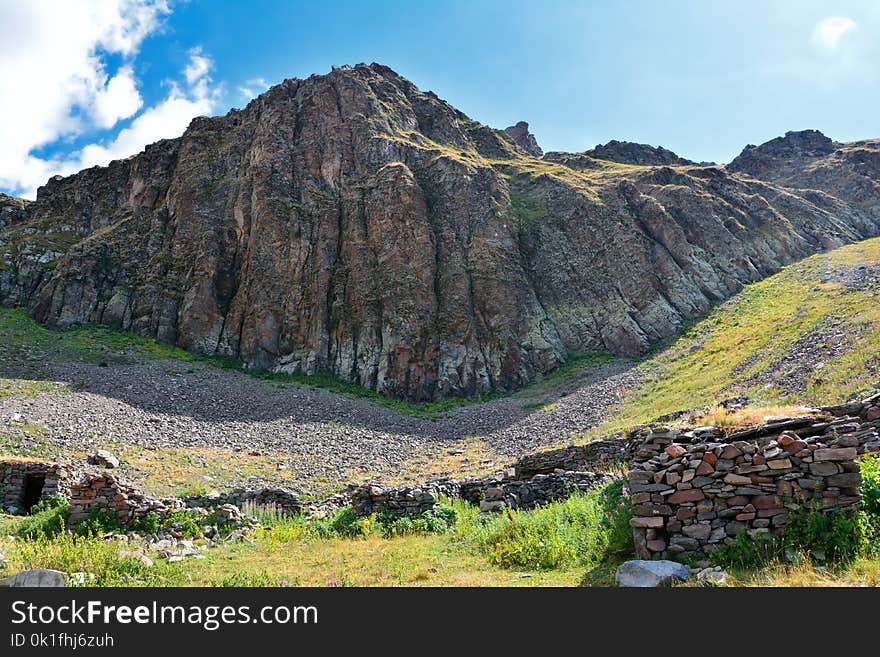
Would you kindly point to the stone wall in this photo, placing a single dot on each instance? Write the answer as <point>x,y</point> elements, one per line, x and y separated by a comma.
<point>406,500</point>
<point>14,474</point>
<point>495,494</point>
<point>695,489</point>
<point>596,455</point>
<point>281,498</point>
<point>490,493</point>
<point>102,492</point>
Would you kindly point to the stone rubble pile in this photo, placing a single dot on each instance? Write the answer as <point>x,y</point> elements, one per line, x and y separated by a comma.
<point>700,488</point>
<point>595,455</point>
<point>277,497</point>
<point>102,492</point>
<point>496,494</point>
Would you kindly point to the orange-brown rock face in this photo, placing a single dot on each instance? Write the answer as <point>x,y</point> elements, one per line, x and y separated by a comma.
<point>351,223</point>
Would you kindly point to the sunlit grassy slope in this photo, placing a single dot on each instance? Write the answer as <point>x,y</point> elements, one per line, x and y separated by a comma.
<point>807,335</point>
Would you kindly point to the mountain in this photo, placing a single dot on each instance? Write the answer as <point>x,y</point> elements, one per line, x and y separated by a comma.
<point>354,224</point>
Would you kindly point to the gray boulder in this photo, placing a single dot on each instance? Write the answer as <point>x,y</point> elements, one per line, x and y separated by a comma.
<point>104,458</point>
<point>647,574</point>
<point>41,577</point>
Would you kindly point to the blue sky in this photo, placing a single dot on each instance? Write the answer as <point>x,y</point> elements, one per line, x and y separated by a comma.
<point>89,81</point>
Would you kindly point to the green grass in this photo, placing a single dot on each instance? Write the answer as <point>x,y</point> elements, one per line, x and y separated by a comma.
<point>454,546</point>
<point>749,335</point>
<point>30,441</point>
<point>584,530</point>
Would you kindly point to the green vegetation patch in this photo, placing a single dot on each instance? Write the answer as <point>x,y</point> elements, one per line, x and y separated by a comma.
<point>745,339</point>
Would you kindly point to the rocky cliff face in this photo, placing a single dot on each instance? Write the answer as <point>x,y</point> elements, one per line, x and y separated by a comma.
<point>524,139</point>
<point>627,152</point>
<point>352,223</point>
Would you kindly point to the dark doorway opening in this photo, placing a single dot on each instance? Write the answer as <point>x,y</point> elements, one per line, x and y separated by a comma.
<point>33,490</point>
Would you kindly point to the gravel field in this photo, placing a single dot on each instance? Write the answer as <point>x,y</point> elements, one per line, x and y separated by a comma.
<point>167,403</point>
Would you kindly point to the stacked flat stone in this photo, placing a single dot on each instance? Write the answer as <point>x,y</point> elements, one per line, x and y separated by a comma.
<point>694,489</point>
<point>581,458</point>
<point>100,492</point>
<point>285,499</point>
<point>496,494</point>
<point>14,472</point>
<point>406,500</point>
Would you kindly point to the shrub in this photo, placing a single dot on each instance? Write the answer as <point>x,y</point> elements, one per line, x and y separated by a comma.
<point>186,522</point>
<point>56,501</point>
<point>747,552</point>
<point>440,520</point>
<point>346,524</point>
<point>833,536</point>
<point>870,490</point>
<point>149,524</point>
<point>46,519</point>
<point>71,553</point>
<point>99,522</point>
<point>585,529</point>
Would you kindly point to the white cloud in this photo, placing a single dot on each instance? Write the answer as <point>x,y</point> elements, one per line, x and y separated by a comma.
<point>54,56</point>
<point>118,100</point>
<point>198,66</point>
<point>829,32</point>
<point>55,82</point>
<point>253,88</point>
<point>167,119</point>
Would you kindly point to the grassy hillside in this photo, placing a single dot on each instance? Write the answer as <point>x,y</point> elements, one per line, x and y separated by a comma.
<point>808,335</point>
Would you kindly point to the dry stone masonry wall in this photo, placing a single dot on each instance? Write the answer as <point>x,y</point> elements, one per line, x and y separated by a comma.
<point>597,455</point>
<point>490,493</point>
<point>695,489</point>
<point>100,492</point>
<point>496,494</point>
<point>18,476</point>
<point>280,498</point>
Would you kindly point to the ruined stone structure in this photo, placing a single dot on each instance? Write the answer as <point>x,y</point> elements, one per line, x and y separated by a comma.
<point>490,493</point>
<point>695,489</point>
<point>24,483</point>
<point>102,492</point>
<point>597,455</point>
<point>280,498</point>
<point>496,494</point>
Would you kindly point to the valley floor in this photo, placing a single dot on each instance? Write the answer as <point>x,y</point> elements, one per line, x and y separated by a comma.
<point>179,425</point>
<point>182,424</point>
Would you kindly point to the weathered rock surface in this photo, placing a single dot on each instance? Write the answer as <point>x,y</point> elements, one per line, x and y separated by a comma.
<point>104,458</point>
<point>352,223</point>
<point>40,578</point>
<point>648,574</point>
<point>524,139</point>
<point>627,152</point>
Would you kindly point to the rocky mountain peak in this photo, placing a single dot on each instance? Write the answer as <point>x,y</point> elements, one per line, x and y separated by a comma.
<point>352,223</point>
<point>803,144</point>
<point>627,152</point>
<point>524,139</point>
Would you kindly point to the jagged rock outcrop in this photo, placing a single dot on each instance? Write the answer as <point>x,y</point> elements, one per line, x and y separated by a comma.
<point>524,139</point>
<point>627,152</point>
<point>813,164</point>
<point>352,223</point>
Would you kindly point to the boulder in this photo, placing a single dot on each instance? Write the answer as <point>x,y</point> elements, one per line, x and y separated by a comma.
<point>39,578</point>
<point>649,574</point>
<point>104,459</point>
